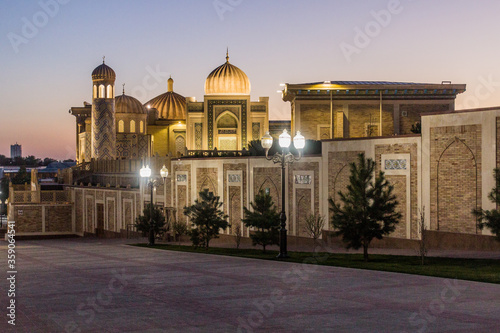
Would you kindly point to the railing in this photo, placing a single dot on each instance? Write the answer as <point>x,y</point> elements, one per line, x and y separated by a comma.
<point>53,196</point>
<point>217,153</point>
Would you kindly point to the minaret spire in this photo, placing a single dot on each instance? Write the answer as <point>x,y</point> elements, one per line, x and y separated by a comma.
<point>103,58</point>
<point>227,54</point>
<point>123,89</point>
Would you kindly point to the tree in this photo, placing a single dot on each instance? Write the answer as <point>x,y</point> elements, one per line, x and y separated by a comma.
<point>416,128</point>
<point>491,218</point>
<point>422,245</point>
<point>179,228</point>
<point>21,177</point>
<point>264,217</point>
<point>143,221</point>
<point>314,225</point>
<point>206,217</point>
<point>368,207</point>
<point>48,160</point>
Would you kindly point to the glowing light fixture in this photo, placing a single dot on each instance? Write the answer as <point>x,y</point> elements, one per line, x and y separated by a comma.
<point>145,171</point>
<point>164,172</point>
<point>267,141</point>
<point>285,139</point>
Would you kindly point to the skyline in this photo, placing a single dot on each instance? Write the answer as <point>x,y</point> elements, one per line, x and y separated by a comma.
<point>47,71</point>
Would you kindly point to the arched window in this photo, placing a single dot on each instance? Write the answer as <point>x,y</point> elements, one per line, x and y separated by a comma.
<point>132,126</point>
<point>95,91</point>
<point>141,126</point>
<point>109,93</point>
<point>121,126</point>
<point>101,91</point>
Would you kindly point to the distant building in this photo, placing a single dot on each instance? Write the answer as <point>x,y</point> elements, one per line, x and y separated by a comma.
<point>15,151</point>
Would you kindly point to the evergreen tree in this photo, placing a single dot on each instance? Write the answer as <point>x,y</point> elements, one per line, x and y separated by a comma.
<point>265,219</point>
<point>143,221</point>
<point>491,218</point>
<point>368,208</point>
<point>21,177</point>
<point>206,217</point>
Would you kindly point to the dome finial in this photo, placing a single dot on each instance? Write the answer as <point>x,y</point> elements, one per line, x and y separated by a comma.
<point>170,84</point>
<point>227,54</point>
<point>123,89</point>
<point>103,58</point>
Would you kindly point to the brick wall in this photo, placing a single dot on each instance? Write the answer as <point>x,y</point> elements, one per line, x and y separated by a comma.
<point>58,218</point>
<point>268,178</point>
<point>455,177</point>
<point>399,183</point>
<point>404,149</point>
<point>312,115</point>
<point>206,178</point>
<point>28,218</point>
<point>360,115</point>
<point>414,111</point>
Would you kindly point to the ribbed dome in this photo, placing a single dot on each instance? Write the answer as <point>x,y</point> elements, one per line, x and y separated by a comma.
<point>227,79</point>
<point>128,104</point>
<point>170,105</point>
<point>103,72</point>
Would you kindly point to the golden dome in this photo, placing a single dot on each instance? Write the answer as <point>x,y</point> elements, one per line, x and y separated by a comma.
<point>128,104</point>
<point>227,79</point>
<point>170,105</point>
<point>103,72</point>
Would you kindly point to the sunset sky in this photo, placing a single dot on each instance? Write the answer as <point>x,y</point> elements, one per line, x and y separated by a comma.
<point>49,48</point>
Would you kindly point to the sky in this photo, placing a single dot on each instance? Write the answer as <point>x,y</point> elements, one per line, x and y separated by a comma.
<point>48,49</point>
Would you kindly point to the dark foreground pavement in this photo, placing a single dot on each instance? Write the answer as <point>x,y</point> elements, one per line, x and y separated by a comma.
<point>81,285</point>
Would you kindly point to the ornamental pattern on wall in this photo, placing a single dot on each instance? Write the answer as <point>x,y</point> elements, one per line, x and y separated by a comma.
<point>255,131</point>
<point>210,115</point>
<point>198,133</point>
<point>395,164</point>
<point>303,179</point>
<point>182,178</point>
<point>234,178</point>
<point>103,129</point>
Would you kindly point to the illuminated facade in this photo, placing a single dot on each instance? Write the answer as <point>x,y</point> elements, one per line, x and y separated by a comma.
<point>124,128</point>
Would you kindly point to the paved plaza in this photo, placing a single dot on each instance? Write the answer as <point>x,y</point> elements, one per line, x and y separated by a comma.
<point>90,285</point>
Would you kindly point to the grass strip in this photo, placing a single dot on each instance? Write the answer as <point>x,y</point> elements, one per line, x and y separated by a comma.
<point>481,270</point>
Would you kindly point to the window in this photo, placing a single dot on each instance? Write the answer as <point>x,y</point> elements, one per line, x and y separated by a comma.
<point>132,126</point>
<point>101,91</point>
<point>109,93</point>
<point>95,91</point>
<point>141,126</point>
<point>121,126</point>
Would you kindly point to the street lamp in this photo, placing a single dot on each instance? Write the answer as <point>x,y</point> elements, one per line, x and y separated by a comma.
<point>146,173</point>
<point>284,158</point>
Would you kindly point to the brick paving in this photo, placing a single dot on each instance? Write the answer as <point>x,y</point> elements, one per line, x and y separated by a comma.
<point>91,285</point>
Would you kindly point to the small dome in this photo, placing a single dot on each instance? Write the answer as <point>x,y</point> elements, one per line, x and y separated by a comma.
<point>227,79</point>
<point>170,105</point>
<point>103,71</point>
<point>128,104</point>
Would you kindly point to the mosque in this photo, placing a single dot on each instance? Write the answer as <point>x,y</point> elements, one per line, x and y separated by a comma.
<point>439,160</point>
<point>118,127</point>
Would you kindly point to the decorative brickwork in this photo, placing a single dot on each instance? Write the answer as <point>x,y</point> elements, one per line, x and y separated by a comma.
<point>236,201</point>
<point>303,197</point>
<point>339,171</point>
<point>455,177</point>
<point>412,165</point>
<point>103,129</point>
<point>58,218</point>
<point>268,178</point>
<point>78,211</point>
<point>28,218</point>
<point>399,183</point>
<point>206,178</point>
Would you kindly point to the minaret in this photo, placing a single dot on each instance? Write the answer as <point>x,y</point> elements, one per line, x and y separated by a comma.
<point>103,113</point>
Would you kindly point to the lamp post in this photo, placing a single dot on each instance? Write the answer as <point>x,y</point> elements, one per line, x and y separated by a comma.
<point>145,172</point>
<point>284,158</point>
